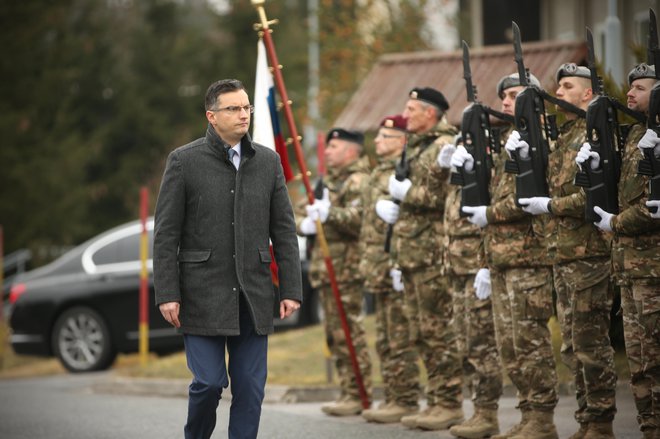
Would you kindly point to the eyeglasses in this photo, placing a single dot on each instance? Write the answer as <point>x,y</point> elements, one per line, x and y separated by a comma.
<point>233,109</point>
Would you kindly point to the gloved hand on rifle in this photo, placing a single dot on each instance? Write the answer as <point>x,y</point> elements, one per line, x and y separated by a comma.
<point>397,280</point>
<point>605,223</point>
<point>444,156</point>
<point>399,189</point>
<point>462,158</point>
<point>514,144</point>
<point>482,284</point>
<point>477,215</point>
<point>656,204</point>
<point>308,226</point>
<point>387,210</point>
<point>585,153</point>
<point>650,140</point>
<point>320,208</point>
<point>535,205</point>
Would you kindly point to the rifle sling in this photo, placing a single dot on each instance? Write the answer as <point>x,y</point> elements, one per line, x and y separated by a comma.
<point>563,104</point>
<point>499,115</point>
<point>638,116</point>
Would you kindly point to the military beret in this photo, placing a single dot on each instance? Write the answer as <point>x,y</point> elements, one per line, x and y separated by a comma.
<point>572,69</point>
<point>431,96</point>
<point>342,134</point>
<point>396,122</point>
<point>642,70</point>
<point>513,80</point>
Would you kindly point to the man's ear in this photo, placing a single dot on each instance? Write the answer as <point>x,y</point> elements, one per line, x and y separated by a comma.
<point>210,116</point>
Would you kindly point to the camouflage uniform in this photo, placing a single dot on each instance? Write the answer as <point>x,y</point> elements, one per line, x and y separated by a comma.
<point>341,231</point>
<point>472,318</point>
<point>418,237</point>
<point>581,271</point>
<point>636,268</point>
<point>521,285</point>
<point>398,357</point>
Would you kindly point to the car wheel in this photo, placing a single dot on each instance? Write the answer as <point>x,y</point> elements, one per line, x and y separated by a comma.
<point>81,340</point>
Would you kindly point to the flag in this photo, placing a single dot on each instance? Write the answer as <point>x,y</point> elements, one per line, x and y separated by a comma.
<point>265,123</point>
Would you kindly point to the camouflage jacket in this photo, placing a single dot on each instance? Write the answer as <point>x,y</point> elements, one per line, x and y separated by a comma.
<point>636,246</point>
<point>418,231</point>
<point>375,264</point>
<point>342,228</point>
<point>572,237</point>
<point>512,238</point>
<point>462,238</point>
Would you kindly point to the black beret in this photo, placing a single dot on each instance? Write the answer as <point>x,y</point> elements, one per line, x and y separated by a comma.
<point>340,133</point>
<point>642,70</point>
<point>513,80</point>
<point>431,96</point>
<point>572,69</point>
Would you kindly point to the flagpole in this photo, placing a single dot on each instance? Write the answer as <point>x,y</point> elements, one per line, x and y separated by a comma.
<point>265,33</point>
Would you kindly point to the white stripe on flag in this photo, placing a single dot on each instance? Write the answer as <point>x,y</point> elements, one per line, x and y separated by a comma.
<point>262,126</point>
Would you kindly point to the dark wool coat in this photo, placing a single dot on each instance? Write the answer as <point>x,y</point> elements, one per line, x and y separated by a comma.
<point>212,231</point>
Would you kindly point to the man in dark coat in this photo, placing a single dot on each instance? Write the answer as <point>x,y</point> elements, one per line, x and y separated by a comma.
<point>222,198</point>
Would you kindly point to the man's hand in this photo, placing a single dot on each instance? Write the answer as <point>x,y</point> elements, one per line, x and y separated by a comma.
<point>397,280</point>
<point>656,204</point>
<point>650,140</point>
<point>288,307</point>
<point>477,215</point>
<point>462,158</point>
<point>308,226</point>
<point>605,223</point>
<point>399,189</point>
<point>482,284</point>
<point>444,156</point>
<point>320,208</point>
<point>514,143</point>
<point>387,210</point>
<point>170,312</point>
<point>535,205</point>
<point>585,153</point>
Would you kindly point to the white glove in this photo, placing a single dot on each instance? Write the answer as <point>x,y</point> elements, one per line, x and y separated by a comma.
<point>397,280</point>
<point>482,284</point>
<point>320,208</point>
<point>462,158</point>
<point>308,226</point>
<point>444,156</point>
<point>535,205</point>
<point>477,215</point>
<point>387,210</point>
<point>585,153</point>
<point>656,204</point>
<point>605,223</point>
<point>514,143</point>
<point>650,140</point>
<point>399,189</point>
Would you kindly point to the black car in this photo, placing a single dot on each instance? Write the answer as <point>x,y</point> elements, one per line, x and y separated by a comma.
<point>83,307</point>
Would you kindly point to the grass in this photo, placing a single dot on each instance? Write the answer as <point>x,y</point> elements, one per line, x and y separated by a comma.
<point>295,357</point>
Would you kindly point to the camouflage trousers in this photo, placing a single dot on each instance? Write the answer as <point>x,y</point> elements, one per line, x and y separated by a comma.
<point>473,323</point>
<point>429,305</point>
<point>584,302</point>
<point>522,305</point>
<point>351,298</point>
<point>398,358</point>
<point>641,324</point>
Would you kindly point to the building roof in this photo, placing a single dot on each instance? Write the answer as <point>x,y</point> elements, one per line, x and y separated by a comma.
<point>385,89</point>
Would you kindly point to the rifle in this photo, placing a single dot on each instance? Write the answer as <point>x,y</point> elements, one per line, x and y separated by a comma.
<point>603,134</point>
<point>478,141</point>
<point>650,164</point>
<point>401,172</point>
<point>534,129</point>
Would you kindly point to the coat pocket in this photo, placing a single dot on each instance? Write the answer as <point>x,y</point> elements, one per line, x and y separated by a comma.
<point>264,255</point>
<point>194,255</point>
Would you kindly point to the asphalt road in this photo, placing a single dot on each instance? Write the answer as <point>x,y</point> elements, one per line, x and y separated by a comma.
<point>98,406</point>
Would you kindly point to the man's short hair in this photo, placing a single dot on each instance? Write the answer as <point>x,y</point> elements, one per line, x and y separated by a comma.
<point>221,87</point>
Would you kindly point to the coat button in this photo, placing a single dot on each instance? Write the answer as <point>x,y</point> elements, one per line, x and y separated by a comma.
<point>232,191</point>
<point>234,289</point>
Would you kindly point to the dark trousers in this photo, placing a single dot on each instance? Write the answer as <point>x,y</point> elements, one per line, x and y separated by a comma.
<point>247,370</point>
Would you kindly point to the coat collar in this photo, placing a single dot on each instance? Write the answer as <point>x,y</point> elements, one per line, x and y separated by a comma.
<point>220,146</point>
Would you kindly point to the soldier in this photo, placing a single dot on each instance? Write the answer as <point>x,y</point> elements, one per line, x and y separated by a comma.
<point>398,357</point>
<point>581,268</point>
<point>636,259</point>
<point>521,284</point>
<point>418,237</point>
<point>472,315</point>
<point>339,211</point>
